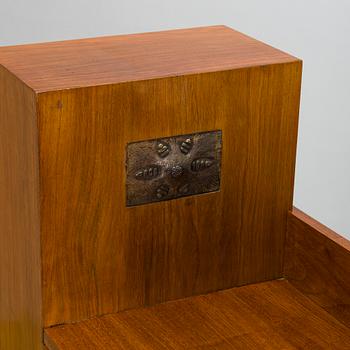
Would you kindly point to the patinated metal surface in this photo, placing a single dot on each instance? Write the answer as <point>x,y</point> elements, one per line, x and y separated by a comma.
<point>172,167</point>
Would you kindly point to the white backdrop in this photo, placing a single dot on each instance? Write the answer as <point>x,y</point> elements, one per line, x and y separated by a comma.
<point>315,30</point>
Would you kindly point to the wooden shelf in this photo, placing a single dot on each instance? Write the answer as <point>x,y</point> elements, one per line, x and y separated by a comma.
<point>74,256</point>
<point>270,315</point>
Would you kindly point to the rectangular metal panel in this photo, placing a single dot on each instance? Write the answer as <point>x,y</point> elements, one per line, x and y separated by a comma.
<point>173,167</point>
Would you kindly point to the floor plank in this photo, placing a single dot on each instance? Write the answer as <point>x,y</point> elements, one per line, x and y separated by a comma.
<point>270,315</point>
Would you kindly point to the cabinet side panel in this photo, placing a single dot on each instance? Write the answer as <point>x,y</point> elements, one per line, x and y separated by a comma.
<point>100,256</point>
<point>317,263</point>
<point>20,272</point>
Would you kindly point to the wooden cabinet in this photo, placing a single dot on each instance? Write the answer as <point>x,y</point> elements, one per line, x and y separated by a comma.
<point>71,247</point>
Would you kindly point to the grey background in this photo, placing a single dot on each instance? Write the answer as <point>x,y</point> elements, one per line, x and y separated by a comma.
<point>315,30</point>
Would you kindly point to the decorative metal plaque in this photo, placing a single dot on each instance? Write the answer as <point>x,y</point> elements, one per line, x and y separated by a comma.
<point>172,167</point>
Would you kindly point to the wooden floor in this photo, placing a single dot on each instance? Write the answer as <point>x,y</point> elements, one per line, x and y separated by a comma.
<point>271,315</point>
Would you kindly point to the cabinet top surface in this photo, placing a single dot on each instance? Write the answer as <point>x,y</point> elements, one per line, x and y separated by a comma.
<point>116,59</point>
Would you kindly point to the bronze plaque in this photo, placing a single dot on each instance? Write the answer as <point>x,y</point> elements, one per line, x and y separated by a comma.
<point>172,167</point>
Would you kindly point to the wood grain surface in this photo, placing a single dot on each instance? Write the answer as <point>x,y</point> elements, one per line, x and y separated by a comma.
<point>318,264</point>
<point>79,104</point>
<point>271,315</point>
<point>100,256</point>
<point>20,291</point>
<point>108,60</point>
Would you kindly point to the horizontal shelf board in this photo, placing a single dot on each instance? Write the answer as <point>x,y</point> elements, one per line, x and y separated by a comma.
<point>269,315</point>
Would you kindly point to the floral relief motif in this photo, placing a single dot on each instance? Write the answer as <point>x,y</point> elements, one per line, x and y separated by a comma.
<point>173,167</point>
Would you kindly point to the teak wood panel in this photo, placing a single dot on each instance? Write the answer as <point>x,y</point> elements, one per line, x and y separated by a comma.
<point>318,264</point>
<point>20,285</point>
<point>270,315</point>
<point>100,256</point>
<point>124,58</point>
